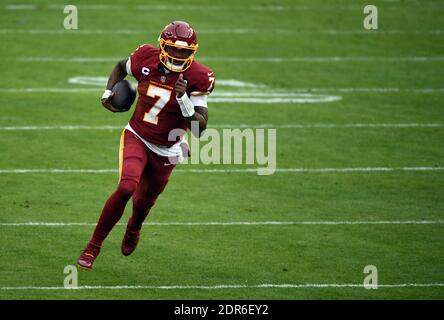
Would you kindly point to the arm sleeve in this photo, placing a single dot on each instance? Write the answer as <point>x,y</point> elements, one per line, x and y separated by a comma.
<point>199,101</point>
<point>128,66</point>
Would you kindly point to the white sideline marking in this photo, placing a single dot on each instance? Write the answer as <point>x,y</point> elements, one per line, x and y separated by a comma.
<point>230,286</point>
<point>229,223</point>
<point>246,170</point>
<point>243,125</point>
<point>248,59</point>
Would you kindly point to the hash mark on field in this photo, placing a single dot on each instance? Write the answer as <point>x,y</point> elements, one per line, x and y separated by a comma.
<point>242,125</point>
<point>246,170</point>
<point>230,286</point>
<point>229,223</point>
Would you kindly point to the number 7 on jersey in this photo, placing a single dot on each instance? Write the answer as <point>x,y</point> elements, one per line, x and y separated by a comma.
<point>163,96</point>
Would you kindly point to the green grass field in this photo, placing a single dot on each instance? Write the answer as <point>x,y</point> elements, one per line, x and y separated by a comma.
<point>390,115</point>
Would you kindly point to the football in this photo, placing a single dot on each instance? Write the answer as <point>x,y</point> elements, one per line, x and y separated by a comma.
<point>124,95</point>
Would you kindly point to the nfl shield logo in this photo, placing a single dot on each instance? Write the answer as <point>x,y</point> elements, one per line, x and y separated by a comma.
<point>163,79</point>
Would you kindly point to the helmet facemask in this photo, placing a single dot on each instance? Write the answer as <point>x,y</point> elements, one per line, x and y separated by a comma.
<point>177,56</point>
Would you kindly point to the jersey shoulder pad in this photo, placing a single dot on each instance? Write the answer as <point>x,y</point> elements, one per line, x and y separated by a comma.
<point>201,79</point>
<point>140,57</point>
<point>142,50</point>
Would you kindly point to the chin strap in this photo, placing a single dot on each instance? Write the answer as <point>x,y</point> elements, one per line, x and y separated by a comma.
<point>186,106</point>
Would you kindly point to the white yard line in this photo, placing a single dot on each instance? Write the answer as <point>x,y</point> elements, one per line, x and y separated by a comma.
<point>206,7</point>
<point>220,94</point>
<point>65,127</point>
<point>227,286</point>
<point>379,90</point>
<point>243,125</point>
<point>247,59</point>
<point>222,31</point>
<point>49,90</point>
<point>231,223</point>
<point>169,8</point>
<point>325,59</point>
<point>20,7</point>
<point>59,171</point>
<point>313,99</point>
<point>250,98</point>
<point>241,170</point>
<point>65,59</point>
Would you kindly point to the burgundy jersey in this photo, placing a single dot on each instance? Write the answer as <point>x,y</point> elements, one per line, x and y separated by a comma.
<point>157,111</point>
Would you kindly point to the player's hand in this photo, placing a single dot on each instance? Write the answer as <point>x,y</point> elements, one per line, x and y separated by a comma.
<point>180,86</point>
<point>106,102</point>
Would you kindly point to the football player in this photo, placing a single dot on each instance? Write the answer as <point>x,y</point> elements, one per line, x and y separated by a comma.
<point>173,90</point>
